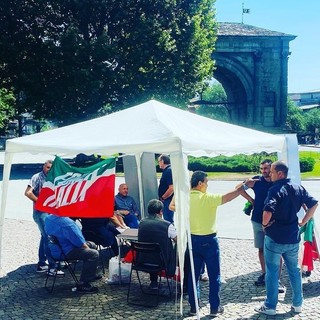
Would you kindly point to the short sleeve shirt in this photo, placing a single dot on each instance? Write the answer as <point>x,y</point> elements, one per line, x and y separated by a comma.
<point>165,181</point>
<point>203,212</point>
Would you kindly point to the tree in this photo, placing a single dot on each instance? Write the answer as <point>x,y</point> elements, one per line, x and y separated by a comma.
<point>7,108</point>
<point>313,120</point>
<point>69,59</point>
<point>215,94</point>
<point>296,120</point>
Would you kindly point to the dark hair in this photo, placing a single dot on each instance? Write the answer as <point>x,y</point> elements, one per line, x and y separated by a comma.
<point>154,206</point>
<point>266,161</point>
<point>281,166</point>
<point>197,176</point>
<point>165,158</point>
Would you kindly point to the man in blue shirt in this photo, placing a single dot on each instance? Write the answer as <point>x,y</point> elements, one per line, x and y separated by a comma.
<point>281,225</point>
<point>260,187</point>
<point>126,207</point>
<point>165,190</point>
<point>75,247</point>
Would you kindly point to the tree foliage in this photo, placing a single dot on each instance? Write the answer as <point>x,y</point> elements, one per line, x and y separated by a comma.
<point>214,93</point>
<point>313,120</point>
<point>7,108</point>
<point>70,59</point>
<point>296,120</point>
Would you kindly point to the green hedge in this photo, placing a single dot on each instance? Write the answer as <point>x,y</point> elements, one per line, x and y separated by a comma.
<point>307,164</point>
<point>240,163</point>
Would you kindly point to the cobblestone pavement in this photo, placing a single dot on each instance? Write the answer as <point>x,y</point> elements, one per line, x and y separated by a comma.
<point>22,293</point>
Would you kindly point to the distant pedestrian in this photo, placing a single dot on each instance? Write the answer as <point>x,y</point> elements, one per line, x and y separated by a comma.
<point>280,222</point>
<point>32,192</point>
<point>165,190</point>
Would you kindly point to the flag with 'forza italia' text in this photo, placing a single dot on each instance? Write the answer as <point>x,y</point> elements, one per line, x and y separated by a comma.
<point>79,192</point>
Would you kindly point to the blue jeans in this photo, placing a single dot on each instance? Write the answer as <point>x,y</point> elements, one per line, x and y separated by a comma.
<point>272,255</point>
<point>131,221</point>
<point>44,250</point>
<point>167,213</point>
<point>206,250</point>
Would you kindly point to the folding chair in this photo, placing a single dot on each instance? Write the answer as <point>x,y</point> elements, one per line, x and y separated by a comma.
<point>148,258</point>
<point>53,241</point>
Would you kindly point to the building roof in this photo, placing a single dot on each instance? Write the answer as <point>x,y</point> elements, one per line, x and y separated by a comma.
<point>241,29</point>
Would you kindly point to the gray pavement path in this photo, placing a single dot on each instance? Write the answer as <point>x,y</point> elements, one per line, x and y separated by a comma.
<point>23,297</point>
<point>22,293</point>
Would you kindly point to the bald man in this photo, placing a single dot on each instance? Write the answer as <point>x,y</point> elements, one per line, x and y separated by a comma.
<point>126,207</point>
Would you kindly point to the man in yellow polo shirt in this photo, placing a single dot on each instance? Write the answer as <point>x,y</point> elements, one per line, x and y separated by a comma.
<point>205,244</point>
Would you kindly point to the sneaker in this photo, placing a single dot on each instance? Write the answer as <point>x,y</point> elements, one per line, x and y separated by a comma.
<point>42,268</point>
<point>216,312</point>
<point>260,282</point>
<point>296,309</point>
<point>263,309</point>
<point>306,274</point>
<point>154,285</point>
<point>55,272</point>
<point>193,312</point>
<point>86,288</point>
<point>281,288</point>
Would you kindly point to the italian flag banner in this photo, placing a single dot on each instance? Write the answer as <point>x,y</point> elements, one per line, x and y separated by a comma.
<point>79,192</point>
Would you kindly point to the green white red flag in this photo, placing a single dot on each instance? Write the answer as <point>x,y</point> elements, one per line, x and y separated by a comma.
<point>79,192</point>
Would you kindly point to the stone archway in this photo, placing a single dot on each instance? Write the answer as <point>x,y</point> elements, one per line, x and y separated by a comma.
<point>252,66</point>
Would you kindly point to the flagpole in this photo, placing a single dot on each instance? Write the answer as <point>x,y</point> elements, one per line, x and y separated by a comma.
<point>242,12</point>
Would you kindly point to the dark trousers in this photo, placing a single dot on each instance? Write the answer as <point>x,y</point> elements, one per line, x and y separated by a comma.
<point>90,258</point>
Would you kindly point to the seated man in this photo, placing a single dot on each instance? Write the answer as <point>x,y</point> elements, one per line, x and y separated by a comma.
<point>126,207</point>
<point>102,231</point>
<point>155,229</point>
<point>74,247</point>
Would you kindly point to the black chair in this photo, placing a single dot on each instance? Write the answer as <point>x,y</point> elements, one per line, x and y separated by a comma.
<point>148,258</point>
<point>53,241</point>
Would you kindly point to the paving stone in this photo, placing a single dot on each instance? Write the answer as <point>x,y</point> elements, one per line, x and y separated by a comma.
<point>22,293</point>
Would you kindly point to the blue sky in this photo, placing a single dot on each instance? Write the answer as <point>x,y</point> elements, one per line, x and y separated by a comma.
<point>296,17</point>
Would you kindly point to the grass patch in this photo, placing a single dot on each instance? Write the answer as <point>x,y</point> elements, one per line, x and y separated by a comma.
<point>315,173</point>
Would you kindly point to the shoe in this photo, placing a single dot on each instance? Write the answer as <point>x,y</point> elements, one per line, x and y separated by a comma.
<point>55,272</point>
<point>86,288</point>
<point>306,274</point>
<point>296,309</point>
<point>154,285</point>
<point>281,288</point>
<point>193,312</point>
<point>216,312</point>
<point>42,268</point>
<point>260,282</point>
<point>204,277</point>
<point>263,309</point>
